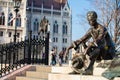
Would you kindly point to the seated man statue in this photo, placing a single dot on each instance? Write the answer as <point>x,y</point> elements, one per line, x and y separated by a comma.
<point>102,47</point>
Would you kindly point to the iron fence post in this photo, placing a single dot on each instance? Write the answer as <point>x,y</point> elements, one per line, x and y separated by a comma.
<point>29,47</point>
<point>47,48</point>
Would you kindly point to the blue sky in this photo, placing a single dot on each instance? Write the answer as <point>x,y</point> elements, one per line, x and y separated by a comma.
<point>79,7</point>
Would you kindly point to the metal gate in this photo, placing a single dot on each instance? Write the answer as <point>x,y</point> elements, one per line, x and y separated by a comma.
<point>30,51</point>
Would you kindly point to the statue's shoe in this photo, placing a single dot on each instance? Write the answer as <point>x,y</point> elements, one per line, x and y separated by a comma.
<point>87,72</point>
<point>73,72</point>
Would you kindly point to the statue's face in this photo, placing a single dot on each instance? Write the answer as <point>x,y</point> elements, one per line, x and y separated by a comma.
<point>92,22</point>
<point>91,17</point>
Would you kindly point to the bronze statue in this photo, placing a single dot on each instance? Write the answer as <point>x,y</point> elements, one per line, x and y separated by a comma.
<point>102,46</point>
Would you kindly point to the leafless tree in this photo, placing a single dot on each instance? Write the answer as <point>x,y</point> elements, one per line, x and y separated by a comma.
<point>109,13</point>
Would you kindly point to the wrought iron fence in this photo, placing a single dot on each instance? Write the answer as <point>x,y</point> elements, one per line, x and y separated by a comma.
<point>29,51</point>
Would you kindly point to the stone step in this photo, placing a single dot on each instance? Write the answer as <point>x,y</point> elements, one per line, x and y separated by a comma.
<point>27,78</point>
<point>43,68</point>
<point>64,69</point>
<point>60,72</point>
<point>54,76</point>
<point>34,74</point>
<point>54,69</point>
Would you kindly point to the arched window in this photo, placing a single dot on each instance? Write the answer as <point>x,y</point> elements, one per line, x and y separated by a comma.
<point>55,27</point>
<point>2,19</point>
<point>10,21</point>
<point>64,48</point>
<point>64,28</point>
<point>36,25</point>
<point>18,21</point>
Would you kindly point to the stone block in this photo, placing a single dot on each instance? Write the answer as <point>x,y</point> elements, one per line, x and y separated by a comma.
<point>98,71</point>
<point>34,74</point>
<point>117,78</point>
<point>43,68</point>
<point>54,76</point>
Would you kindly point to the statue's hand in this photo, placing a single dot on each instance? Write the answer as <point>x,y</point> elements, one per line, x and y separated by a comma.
<point>93,43</point>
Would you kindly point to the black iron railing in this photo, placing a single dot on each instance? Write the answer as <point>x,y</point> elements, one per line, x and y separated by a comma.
<point>30,51</point>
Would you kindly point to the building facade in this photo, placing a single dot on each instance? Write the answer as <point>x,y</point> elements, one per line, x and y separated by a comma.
<point>58,13</point>
<point>7,21</point>
<point>31,12</point>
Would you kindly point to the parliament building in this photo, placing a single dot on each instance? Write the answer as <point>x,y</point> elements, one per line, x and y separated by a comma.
<point>31,12</point>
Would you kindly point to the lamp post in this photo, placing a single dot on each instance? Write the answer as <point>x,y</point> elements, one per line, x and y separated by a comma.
<point>30,33</point>
<point>17,4</point>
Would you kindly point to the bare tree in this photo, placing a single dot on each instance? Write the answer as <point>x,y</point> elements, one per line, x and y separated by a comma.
<point>109,12</point>
<point>117,22</point>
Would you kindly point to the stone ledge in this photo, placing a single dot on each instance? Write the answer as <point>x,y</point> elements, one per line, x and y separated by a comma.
<point>117,78</point>
<point>98,71</point>
<point>74,77</point>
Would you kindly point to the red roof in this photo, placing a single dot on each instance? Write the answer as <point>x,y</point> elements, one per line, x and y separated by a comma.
<point>47,3</point>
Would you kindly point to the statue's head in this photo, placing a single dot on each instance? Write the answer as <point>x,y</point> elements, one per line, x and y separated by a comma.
<point>92,17</point>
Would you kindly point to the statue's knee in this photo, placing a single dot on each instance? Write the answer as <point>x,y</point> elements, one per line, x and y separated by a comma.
<point>94,54</point>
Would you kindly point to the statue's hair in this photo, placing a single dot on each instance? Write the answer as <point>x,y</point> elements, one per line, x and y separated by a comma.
<point>92,15</point>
